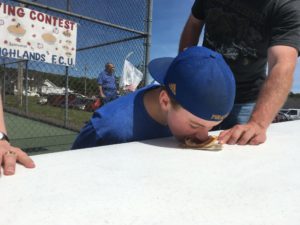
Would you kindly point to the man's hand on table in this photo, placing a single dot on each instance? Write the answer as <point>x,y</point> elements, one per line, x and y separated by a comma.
<point>250,133</point>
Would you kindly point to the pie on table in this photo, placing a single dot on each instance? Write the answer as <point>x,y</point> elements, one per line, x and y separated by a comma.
<point>210,144</point>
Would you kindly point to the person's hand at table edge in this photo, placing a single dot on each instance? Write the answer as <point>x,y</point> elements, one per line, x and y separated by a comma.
<point>10,155</point>
<point>250,133</point>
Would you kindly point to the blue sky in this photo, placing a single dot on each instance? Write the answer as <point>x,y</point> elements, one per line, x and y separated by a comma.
<point>169,18</point>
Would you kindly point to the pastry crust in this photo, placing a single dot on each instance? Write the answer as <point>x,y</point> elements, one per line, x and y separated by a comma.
<point>49,38</point>
<point>210,144</point>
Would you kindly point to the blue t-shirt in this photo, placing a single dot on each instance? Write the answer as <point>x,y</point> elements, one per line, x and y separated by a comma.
<point>119,121</point>
<point>108,83</point>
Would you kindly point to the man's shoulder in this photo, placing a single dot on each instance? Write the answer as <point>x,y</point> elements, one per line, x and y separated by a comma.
<point>283,5</point>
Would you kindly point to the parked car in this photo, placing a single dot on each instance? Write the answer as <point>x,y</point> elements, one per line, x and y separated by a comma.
<point>281,117</point>
<point>77,103</point>
<point>284,110</point>
<point>42,100</point>
<point>294,114</point>
<point>92,104</point>
<point>31,93</point>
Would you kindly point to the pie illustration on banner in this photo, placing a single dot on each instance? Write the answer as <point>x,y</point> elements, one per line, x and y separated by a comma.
<point>16,30</point>
<point>49,38</point>
<point>67,33</point>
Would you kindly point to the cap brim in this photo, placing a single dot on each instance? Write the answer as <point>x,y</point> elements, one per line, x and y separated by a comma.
<point>158,68</point>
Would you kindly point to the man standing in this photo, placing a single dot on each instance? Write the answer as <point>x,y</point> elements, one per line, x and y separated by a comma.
<point>250,35</point>
<point>107,84</point>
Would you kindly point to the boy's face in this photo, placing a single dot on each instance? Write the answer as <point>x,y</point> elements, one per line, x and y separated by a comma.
<point>183,124</point>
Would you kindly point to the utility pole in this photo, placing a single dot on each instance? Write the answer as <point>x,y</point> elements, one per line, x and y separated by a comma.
<point>85,77</point>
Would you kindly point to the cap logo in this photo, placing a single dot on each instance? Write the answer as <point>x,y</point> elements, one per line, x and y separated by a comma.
<point>172,87</point>
<point>218,117</point>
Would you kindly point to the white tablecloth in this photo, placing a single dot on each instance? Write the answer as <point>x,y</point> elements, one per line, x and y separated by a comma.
<point>156,182</point>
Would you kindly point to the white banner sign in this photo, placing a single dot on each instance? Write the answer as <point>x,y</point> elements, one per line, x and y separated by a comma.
<point>32,35</point>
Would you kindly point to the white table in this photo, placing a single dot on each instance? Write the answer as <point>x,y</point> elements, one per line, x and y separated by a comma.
<point>155,182</point>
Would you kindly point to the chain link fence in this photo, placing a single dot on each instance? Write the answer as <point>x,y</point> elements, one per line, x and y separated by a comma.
<point>45,104</point>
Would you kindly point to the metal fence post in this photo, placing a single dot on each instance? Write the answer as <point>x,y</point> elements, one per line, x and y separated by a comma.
<point>66,97</point>
<point>4,84</point>
<point>20,83</point>
<point>67,83</point>
<point>26,88</point>
<point>85,77</point>
<point>148,25</point>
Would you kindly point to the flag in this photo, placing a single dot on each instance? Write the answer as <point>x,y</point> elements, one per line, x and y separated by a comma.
<point>131,77</point>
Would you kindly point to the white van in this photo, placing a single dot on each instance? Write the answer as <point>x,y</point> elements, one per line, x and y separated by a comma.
<point>293,114</point>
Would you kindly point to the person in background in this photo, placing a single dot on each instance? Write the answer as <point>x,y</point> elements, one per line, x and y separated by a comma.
<point>10,155</point>
<point>250,35</point>
<point>107,84</point>
<point>196,92</point>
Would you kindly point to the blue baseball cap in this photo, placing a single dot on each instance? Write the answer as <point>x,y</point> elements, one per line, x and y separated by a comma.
<point>199,80</point>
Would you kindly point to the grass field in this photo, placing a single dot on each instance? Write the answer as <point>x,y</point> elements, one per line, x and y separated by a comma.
<point>42,128</point>
<point>76,118</point>
<point>34,131</point>
<point>36,137</point>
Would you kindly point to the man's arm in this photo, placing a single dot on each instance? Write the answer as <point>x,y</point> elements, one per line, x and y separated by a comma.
<point>281,62</point>
<point>100,81</point>
<point>9,155</point>
<point>191,33</point>
<point>102,95</point>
